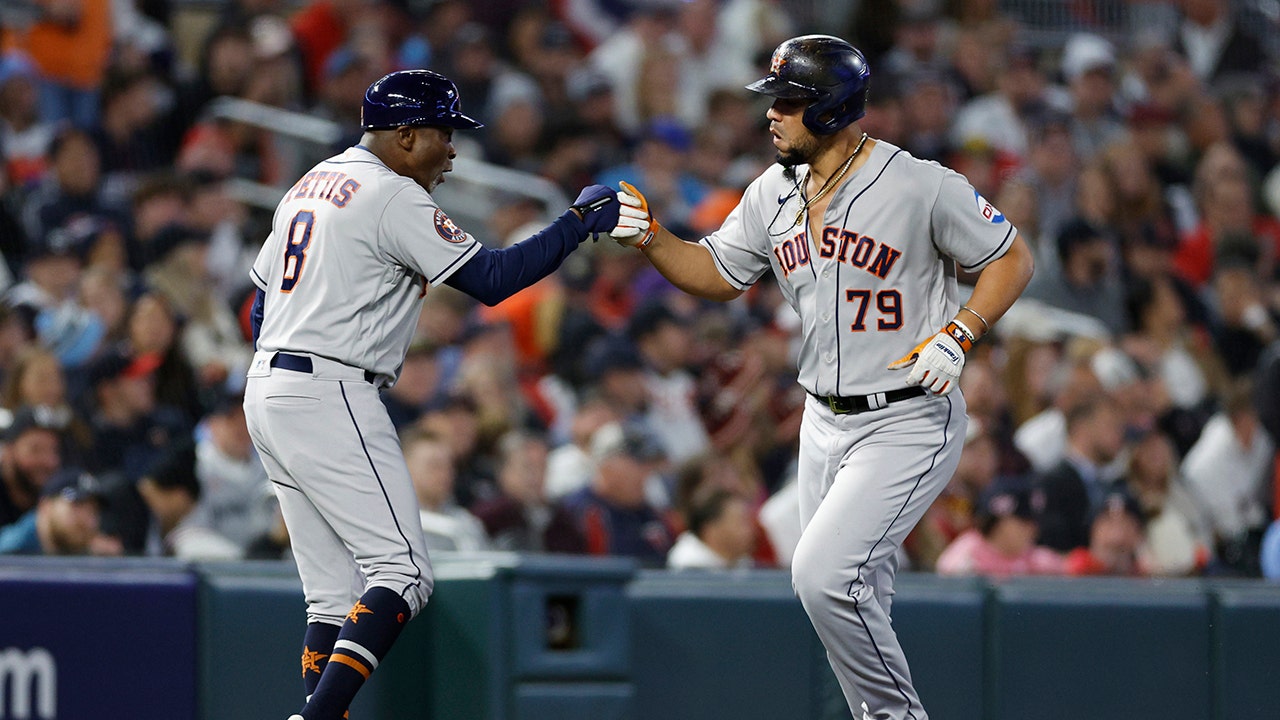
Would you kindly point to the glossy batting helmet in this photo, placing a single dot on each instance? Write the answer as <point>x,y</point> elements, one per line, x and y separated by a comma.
<point>414,97</point>
<point>825,70</point>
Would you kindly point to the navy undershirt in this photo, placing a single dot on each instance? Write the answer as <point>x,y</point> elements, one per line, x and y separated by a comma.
<point>495,275</point>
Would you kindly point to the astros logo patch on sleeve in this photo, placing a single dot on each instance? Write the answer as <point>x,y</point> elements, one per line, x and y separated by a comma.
<point>448,229</point>
<point>988,211</point>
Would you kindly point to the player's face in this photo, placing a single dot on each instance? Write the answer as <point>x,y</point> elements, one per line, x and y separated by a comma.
<point>430,156</point>
<point>795,144</point>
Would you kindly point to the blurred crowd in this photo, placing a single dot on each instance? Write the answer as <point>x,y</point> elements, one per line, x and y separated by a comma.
<point>1123,414</point>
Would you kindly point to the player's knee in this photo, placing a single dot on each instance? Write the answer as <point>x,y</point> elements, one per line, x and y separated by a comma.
<point>812,575</point>
<point>818,579</point>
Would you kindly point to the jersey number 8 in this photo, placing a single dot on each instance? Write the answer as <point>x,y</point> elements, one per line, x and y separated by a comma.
<point>295,249</point>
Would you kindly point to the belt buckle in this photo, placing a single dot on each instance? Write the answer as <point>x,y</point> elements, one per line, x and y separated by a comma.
<point>838,407</point>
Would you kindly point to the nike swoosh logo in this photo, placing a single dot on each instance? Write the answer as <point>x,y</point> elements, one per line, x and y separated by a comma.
<point>782,199</point>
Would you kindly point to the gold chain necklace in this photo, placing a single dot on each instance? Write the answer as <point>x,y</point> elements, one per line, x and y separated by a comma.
<point>830,183</point>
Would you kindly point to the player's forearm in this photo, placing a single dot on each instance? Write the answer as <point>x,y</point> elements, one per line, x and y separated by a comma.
<point>495,275</point>
<point>688,266</point>
<point>998,286</point>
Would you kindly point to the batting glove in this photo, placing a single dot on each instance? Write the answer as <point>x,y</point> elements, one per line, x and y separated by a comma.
<point>599,208</point>
<point>936,363</point>
<point>636,226</point>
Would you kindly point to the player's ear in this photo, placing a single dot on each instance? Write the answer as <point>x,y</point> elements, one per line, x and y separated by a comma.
<point>405,137</point>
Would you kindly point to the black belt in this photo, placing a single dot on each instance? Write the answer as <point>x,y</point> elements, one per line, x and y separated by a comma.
<point>302,363</point>
<point>861,403</point>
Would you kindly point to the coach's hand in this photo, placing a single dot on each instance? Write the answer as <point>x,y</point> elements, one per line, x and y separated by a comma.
<point>636,226</point>
<point>597,205</point>
<point>936,363</point>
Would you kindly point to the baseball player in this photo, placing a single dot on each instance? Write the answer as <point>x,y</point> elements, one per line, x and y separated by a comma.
<point>354,245</point>
<point>864,240</point>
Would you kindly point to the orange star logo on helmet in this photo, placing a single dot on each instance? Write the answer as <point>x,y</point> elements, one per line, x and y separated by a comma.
<point>779,60</point>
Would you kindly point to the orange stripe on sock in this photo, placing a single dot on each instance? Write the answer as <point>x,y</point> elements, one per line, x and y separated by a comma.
<point>350,662</point>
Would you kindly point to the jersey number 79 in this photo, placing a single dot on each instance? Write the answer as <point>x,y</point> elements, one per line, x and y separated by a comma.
<point>295,248</point>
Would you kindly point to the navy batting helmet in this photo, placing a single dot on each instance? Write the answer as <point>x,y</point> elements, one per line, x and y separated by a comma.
<point>414,97</point>
<point>824,69</point>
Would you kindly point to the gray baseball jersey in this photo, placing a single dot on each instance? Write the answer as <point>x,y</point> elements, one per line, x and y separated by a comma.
<point>880,278</point>
<point>348,261</point>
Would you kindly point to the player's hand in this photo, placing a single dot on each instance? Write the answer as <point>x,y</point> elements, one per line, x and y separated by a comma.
<point>935,364</point>
<point>636,226</point>
<point>597,205</point>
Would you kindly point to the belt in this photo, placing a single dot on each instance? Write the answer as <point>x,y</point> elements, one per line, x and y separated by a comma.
<point>862,403</point>
<point>302,363</point>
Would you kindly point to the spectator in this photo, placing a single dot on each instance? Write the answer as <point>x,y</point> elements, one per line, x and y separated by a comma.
<point>36,381</point>
<point>447,526</point>
<point>1051,173</point>
<point>1000,117</point>
<point>31,454</point>
<point>236,500</point>
<point>1214,41</point>
<point>153,331</point>
<point>454,419</point>
<point>1090,279</point>
<point>171,492</point>
<point>1177,535</point>
<point>70,190</point>
<point>1115,540</point>
<point>1095,436</point>
<point>416,388</point>
<point>721,533</point>
<point>661,163</point>
<point>1245,324</point>
<point>1224,197</point>
<point>520,518</point>
<point>1089,68</point>
<point>1003,541</point>
<point>617,376</point>
<point>25,136</point>
<point>53,268</point>
<point>569,466</point>
<point>323,26</point>
<point>70,43</point>
<point>699,478</point>
<point>131,136</point>
<point>612,513</point>
<point>1227,471</point>
<point>952,513</point>
<point>210,337</point>
<point>664,343</point>
<point>131,429</point>
<point>63,522</point>
<point>103,293</point>
<point>929,103</point>
<point>1183,362</point>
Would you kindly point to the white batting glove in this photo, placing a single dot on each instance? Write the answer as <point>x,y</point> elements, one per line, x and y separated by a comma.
<point>636,226</point>
<point>936,363</point>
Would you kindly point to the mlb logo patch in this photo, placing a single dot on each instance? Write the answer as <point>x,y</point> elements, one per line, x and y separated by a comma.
<point>987,210</point>
<point>448,229</point>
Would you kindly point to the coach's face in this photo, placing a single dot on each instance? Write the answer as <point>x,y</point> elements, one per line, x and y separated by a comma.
<point>795,144</point>
<point>429,154</point>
